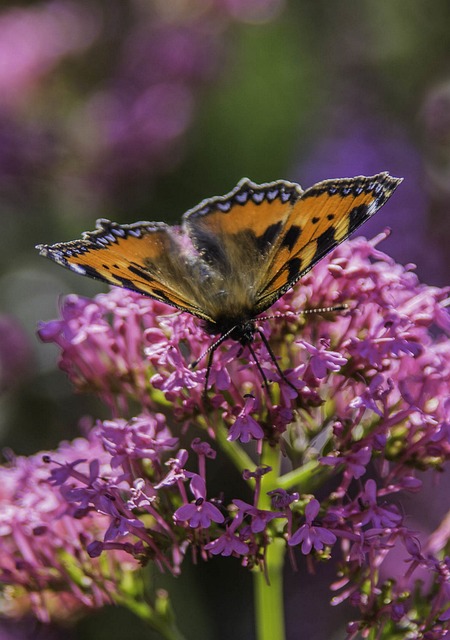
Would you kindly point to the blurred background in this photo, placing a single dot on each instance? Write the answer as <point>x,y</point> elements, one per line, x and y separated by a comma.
<point>137,110</point>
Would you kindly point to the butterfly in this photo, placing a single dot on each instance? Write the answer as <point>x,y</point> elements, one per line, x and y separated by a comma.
<point>233,255</point>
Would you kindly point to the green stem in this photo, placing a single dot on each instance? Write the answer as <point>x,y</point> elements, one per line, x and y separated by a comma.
<point>268,584</point>
<point>270,458</point>
<point>305,478</point>
<point>151,605</point>
<point>269,606</point>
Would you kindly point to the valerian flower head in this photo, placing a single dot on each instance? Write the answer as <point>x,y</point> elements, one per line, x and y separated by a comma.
<point>359,397</point>
<point>43,542</point>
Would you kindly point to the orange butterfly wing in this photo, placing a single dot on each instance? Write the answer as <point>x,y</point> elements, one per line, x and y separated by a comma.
<point>144,257</point>
<point>263,238</point>
<point>234,255</point>
<point>324,216</point>
<point>234,234</point>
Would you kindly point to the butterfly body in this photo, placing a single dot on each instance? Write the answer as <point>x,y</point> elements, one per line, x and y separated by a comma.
<point>234,255</point>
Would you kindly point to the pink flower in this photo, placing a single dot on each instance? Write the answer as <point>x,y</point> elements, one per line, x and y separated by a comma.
<point>323,360</point>
<point>312,536</point>
<point>200,513</point>
<point>40,540</point>
<point>245,426</point>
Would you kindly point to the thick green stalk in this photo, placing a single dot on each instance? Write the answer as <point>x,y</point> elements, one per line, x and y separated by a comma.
<point>269,604</point>
<point>268,585</point>
<point>268,582</point>
<point>305,478</point>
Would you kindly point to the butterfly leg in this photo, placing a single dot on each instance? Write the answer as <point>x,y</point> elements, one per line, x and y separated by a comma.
<point>274,360</point>
<point>262,374</point>
<point>208,371</point>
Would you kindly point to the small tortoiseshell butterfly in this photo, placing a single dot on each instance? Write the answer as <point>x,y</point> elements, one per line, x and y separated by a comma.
<point>234,255</point>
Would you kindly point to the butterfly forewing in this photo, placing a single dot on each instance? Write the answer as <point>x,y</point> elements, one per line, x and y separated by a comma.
<point>144,257</point>
<point>234,234</point>
<point>324,216</point>
<point>238,230</point>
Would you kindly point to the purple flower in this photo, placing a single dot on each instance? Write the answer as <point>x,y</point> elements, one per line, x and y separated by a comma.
<point>40,540</point>
<point>259,517</point>
<point>150,100</point>
<point>203,449</point>
<point>143,437</point>
<point>198,515</point>
<point>177,471</point>
<point>311,536</point>
<point>281,499</point>
<point>379,517</point>
<point>228,544</point>
<point>370,395</point>
<point>323,360</point>
<point>46,34</point>
<point>121,526</point>
<point>103,355</point>
<point>245,426</point>
<point>201,513</point>
<point>354,463</point>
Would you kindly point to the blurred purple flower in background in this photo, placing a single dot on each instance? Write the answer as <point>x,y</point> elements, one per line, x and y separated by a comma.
<point>33,40</point>
<point>16,355</point>
<point>140,118</point>
<point>128,123</point>
<point>27,151</point>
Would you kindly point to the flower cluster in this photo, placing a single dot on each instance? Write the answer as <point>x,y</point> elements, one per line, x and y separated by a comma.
<point>33,41</point>
<point>44,565</point>
<point>359,397</point>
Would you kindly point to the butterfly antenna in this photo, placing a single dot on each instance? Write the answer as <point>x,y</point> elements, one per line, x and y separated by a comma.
<point>208,370</point>
<point>337,307</point>
<point>212,347</point>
